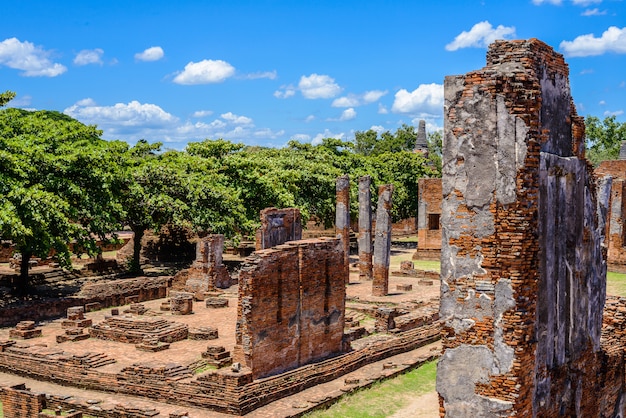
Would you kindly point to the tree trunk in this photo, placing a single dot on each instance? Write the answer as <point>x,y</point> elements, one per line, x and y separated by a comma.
<point>135,265</point>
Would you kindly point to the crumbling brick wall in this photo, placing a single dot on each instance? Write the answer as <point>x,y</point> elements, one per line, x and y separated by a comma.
<point>278,226</point>
<point>523,273</point>
<point>616,233</point>
<point>20,402</point>
<point>291,306</point>
<point>428,219</point>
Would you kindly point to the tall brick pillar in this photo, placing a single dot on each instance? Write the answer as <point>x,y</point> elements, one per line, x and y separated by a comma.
<point>342,220</point>
<point>365,228</point>
<point>382,242</point>
<point>523,273</point>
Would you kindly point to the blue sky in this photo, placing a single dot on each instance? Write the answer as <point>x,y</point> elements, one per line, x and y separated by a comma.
<point>264,72</point>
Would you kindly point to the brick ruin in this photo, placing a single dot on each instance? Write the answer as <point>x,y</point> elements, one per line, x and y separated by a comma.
<point>616,230</point>
<point>278,226</point>
<point>382,242</point>
<point>523,271</point>
<point>429,194</point>
<point>207,273</point>
<point>291,306</point>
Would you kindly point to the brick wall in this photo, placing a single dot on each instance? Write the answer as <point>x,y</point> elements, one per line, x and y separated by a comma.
<point>278,226</point>
<point>428,219</point>
<point>19,402</point>
<point>523,273</point>
<point>616,233</point>
<point>291,306</point>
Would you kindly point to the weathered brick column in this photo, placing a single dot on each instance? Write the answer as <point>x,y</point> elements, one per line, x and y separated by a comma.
<point>208,271</point>
<point>365,228</point>
<point>342,220</point>
<point>382,242</point>
<point>523,272</point>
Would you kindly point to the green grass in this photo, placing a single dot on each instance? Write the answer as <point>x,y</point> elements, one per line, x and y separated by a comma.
<point>615,284</point>
<point>385,398</point>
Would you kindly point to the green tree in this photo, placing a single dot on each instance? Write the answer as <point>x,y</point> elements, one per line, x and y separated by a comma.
<point>6,97</point>
<point>54,189</point>
<point>181,188</point>
<point>604,138</point>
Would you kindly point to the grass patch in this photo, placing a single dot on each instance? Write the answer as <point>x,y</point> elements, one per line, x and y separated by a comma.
<point>385,398</point>
<point>205,368</point>
<point>615,284</point>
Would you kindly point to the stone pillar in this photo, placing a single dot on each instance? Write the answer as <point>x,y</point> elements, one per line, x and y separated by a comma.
<point>382,242</point>
<point>342,220</point>
<point>523,275</point>
<point>365,228</point>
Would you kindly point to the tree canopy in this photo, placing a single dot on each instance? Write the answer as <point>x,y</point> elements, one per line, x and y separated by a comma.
<point>604,138</point>
<point>62,185</point>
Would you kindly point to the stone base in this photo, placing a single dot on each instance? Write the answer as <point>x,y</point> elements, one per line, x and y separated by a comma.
<point>153,348</point>
<point>24,334</point>
<point>203,333</point>
<point>404,287</point>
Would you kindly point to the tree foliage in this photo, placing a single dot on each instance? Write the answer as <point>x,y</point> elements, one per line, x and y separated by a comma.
<point>604,138</point>
<point>62,185</point>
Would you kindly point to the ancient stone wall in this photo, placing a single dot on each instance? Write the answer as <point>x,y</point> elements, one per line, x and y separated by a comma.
<point>278,226</point>
<point>523,273</point>
<point>291,306</point>
<point>616,233</point>
<point>19,402</point>
<point>429,219</point>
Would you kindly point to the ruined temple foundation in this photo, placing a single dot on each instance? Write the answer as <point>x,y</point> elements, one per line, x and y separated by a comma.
<point>364,239</point>
<point>342,221</point>
<point>428,219</point>
<point>522,267</point>
<point>382,243</point>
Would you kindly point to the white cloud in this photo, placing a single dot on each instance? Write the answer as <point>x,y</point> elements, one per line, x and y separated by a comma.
<point>32,60</point>
<point>347,114</point>
<point>202,113</point>
<point>382,110</point>
<point>601,102</point>
<point>555,2</point>
<point>615,113</point>
<point>132,114</point>
<point>354,100</point>
<point>481,35</point>
<point>285,92</point>
<point>612,40</point>
<point>21,101</point>
<point>318,86</point>
<point>309,118</point>
<point>427,98</point>
<point>377,128</point>
<point>346,101</point>
<point>89,56</point>
<point>317,139</point>
<point>593,12</point>
<point>373,95</point>
<point>154,53</point>
<point>238,120</point>
<point>266,74</point>
<point>133,121</point>
<point>205,72</point>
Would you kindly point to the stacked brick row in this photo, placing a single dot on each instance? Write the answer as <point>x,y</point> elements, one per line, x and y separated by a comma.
<point>134,330</point>
<point>19,402</point>
<point>225,390</point>
<point>616,230</point>
<point>517,192</point>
